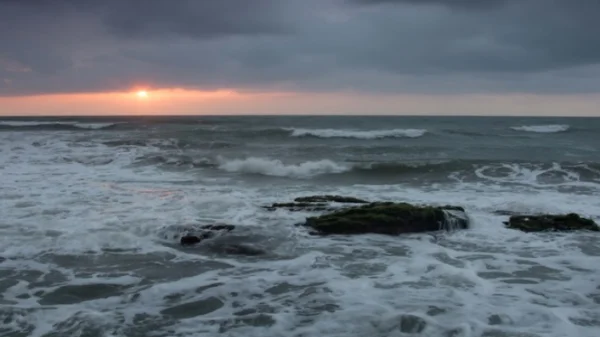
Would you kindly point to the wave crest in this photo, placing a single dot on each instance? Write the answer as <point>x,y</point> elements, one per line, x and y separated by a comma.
<point>549,128</point>
<point>358,134</point>
<point>543,174</point>
<point>276,168</point>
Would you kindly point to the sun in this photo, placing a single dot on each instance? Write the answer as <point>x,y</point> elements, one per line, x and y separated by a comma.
<point>142,94</point>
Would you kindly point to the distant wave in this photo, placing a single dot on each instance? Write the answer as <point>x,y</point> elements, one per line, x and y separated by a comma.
<point>496,170</point>
<point>276,168</point>
<point>43,125</point>
<point>490,170</point>
<point>550,128</point>
<point>250,165</point>
<point>358,134</point>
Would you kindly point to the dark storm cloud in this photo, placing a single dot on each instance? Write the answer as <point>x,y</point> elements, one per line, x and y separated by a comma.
<point>59,37</point>
<point>192,17</point>
<point>140,18</point>
<point>507,35</point>
<point>368,45</point>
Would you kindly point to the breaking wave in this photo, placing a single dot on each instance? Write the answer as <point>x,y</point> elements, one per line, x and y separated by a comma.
<point>250,165</point>
<point>42,125</point>
<point>550,128</point>
<point>527,172</point>
<point>276,168</point>
<point>358,134</point>
<point>532,174</point>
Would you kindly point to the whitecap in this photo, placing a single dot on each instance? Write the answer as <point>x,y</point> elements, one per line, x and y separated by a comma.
<point>550,128</point>
<point>93,126</point>
<point>276,168</point>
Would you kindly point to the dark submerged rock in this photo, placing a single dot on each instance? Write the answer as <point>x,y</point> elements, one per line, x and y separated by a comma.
<point>189,240</point>
<point>205,232</point>
<point>241,249</point>
<point>330,198</point>
<point>227,228</point>
<point>389,218</point>
<point>192,239</point>
<point>542,223</point>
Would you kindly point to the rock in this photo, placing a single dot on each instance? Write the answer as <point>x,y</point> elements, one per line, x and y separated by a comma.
<point>315,203</point>
<point>205,232</point>
<point>451,208</point>
<point>541,223</point>
<point>227,228</point>
<point>389,218</point>
<point>300,206</point>
<point>189,240</point>
<point>411,324</point>
<point>331,198</point>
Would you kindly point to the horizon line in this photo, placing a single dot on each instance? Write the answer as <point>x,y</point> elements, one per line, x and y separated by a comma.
<point>298,115</point>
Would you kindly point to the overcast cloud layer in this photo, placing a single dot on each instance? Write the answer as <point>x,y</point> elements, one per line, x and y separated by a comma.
<point>422,46</point>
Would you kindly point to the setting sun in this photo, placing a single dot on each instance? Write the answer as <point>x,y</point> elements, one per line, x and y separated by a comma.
<point>142,94</point>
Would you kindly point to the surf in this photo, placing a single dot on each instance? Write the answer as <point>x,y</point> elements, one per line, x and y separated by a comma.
<point>550,128</point>
<point>358,134</point>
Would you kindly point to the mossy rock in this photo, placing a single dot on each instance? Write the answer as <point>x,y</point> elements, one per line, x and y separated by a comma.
<point>299,206</point>
<point>331,198</point>
<point>390,218</point>
<point>555,223</point>
<point>315,203</point>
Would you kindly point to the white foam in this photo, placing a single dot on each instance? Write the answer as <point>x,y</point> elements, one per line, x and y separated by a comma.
<point>276,168</point>
<point>341,286</point>
<point>93,126</point>
<point>358,134</point>
<point>550,128</point>
<point>532,176</point>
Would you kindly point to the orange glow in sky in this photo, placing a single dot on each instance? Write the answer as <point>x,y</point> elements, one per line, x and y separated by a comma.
<point>136,101</point>
<point>142,94</point>
<point>178,101</point>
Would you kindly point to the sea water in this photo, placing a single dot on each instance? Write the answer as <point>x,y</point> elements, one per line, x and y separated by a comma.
<point>92,209</point>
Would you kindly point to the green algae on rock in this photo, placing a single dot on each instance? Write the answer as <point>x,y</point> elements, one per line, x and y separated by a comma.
<point>558,223</point>
<point>389,218</point>
<point>331,198</point>
<point>315,203</point>
<point>299,206</point>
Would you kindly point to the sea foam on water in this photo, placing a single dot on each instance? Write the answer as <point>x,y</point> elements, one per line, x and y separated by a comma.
<point>90,247</point>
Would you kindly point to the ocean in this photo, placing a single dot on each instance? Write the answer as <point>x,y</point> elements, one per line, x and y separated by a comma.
<point>92,210</point>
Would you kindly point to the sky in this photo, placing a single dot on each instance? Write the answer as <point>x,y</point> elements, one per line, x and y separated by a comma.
<point>476,57</point>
